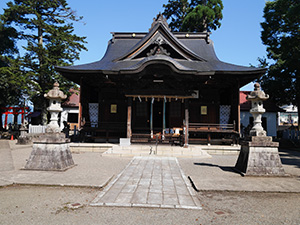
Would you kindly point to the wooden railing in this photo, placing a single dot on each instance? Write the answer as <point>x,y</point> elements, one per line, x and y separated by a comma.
<point>206,127</point>
<point>208,132</point>
<point>106,131</point>
<point>106,126</point>
<point>36,129</point>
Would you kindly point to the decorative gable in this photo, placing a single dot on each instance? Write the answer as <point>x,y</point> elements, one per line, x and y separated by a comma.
<point>158,48</point>
<point>160,41</point>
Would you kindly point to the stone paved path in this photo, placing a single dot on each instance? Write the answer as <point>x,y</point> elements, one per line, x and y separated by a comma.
<point>150,182</point>
<point>6,160</point>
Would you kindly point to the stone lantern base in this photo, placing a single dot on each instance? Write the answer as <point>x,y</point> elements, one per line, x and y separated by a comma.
<point>260,157</point>
<point>50,152</point>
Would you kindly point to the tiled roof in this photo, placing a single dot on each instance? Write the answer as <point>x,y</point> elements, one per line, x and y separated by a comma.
<point>73,100</point>
<point>129,53</point>
<point>245,105</point>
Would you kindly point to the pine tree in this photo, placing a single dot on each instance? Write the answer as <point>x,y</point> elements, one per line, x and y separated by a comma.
<point>194,15</point>
<point>11,83</point>
<point>47,27</point>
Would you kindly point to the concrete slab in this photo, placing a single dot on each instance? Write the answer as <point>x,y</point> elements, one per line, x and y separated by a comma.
<point>93,170</point>
<point>150,194</point>
<point>85,173</point>
<point>217,173</point>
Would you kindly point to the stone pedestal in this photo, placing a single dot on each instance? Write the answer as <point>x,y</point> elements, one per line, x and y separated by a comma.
<point>50,152</point>
<point>23,139</point>
<point>259,157</point>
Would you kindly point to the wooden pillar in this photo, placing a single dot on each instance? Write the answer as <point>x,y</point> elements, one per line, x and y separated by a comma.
<point>15,117</point>
<point>5,121</point>
<point>208,138</point>
<point>164,118</point>
<point>80,106</point>
<point>151,117</point>
<point>129,112</point>
<point>22,115</point>
<point>186,134</point>
<point>235,105</point>
<point>239,108</point>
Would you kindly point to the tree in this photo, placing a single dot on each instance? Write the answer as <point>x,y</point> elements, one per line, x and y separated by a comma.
<point>47,28</point>
<point>281,35</point>
<point>11,83</point>
<point>7,43</point>
<point>194,15</point>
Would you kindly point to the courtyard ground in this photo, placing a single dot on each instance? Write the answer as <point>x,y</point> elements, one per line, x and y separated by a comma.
<point>41,197</point>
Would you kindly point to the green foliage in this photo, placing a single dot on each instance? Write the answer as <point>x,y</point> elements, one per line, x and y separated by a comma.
<point>7,43</point>
<point>10,79</point>
<point>11,83</point>
<point>47,28</point>
<point>281,35</point>
<point>194,15</point>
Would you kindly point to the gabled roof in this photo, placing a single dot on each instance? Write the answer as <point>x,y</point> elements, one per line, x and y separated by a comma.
<point>158,36</point>
<point>184,53</point>
<point>245,105</point>
<point>73,100</point>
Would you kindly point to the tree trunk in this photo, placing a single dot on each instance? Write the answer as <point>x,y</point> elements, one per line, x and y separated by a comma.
<point>204,22</point>
<point>1,124</point>
<point>298,97</point>
<point>44,113</point>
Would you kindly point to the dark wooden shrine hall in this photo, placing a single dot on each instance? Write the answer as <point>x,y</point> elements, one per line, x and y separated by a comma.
<point>160,84</point>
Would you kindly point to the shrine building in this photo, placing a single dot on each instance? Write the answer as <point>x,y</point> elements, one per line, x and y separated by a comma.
<point>160,85</point>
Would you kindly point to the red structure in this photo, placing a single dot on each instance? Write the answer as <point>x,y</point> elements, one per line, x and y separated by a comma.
<point>15,111</point>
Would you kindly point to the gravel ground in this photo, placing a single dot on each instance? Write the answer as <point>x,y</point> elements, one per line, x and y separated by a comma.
<point>51,205</point>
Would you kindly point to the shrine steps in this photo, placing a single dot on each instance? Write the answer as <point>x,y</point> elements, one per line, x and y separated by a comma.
<point>193,151</point>
<point>108,149</point>
<point>90,147</point>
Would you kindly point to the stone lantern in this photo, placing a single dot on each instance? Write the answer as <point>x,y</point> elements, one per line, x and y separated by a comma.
<point>51,150</point>
<point>257,97</point>
<point>55,97</point>
<point>259,155</point>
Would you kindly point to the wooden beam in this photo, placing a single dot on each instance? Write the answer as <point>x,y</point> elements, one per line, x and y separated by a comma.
<point>239,108</point>
<point>129,110</point>
<point>151,117</point>
<point>164,118</point>
<point>80,106</point>
<point>186,134</point>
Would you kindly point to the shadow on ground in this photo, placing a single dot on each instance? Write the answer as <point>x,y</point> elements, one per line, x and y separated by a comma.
<point>289,157</point>
<point>224,168</point>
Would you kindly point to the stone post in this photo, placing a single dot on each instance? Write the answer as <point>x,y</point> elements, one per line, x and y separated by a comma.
<point>51,151</point>
<point>259,155</point>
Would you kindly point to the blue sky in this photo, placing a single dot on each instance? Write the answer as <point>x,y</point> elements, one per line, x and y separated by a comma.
<point>237,41</point>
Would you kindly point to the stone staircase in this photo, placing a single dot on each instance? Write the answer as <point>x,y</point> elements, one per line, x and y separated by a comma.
<point>153,150</point>
<point>90,147</point>
<point>193,151</point>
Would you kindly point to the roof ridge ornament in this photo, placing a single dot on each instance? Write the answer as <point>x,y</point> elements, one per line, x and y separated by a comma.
<point>158,49</point>
<point>160,19</point>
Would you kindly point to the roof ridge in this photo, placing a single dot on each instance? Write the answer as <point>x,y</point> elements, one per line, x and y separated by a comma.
<point>160,19</point>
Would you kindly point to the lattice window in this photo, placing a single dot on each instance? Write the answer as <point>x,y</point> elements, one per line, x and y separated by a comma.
<point>225,114</point>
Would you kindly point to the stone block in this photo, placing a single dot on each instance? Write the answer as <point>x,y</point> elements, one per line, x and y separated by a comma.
<point>50,152</point>
<point>257,139</point>
<point>24,140</point>
<point>259,161</point>
<point>125,142</point>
